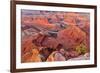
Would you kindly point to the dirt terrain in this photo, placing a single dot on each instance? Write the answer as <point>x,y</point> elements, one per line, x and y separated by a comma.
<point>54,36</point>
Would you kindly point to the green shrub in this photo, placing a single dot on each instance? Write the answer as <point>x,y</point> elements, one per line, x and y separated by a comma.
<point>81,49</point>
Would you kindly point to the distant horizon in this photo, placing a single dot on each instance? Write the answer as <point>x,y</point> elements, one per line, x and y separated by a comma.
<point>36,12</point>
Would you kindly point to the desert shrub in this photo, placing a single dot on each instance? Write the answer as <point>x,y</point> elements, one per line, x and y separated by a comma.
<point>81,49</point>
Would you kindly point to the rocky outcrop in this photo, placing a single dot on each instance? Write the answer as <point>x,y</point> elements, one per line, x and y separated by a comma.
<point>71,36</point>
<point>54,36</point>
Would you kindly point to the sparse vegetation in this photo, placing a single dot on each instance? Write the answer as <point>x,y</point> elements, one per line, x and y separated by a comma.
<point>81,49</point>
<point>54,36</point>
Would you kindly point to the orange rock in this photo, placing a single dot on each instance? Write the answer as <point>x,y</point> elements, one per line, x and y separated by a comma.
<point>38,22</point>
<point>32,56</point>
<point>35,56</point>
<point>26,45</point>
<point>71,36</point>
